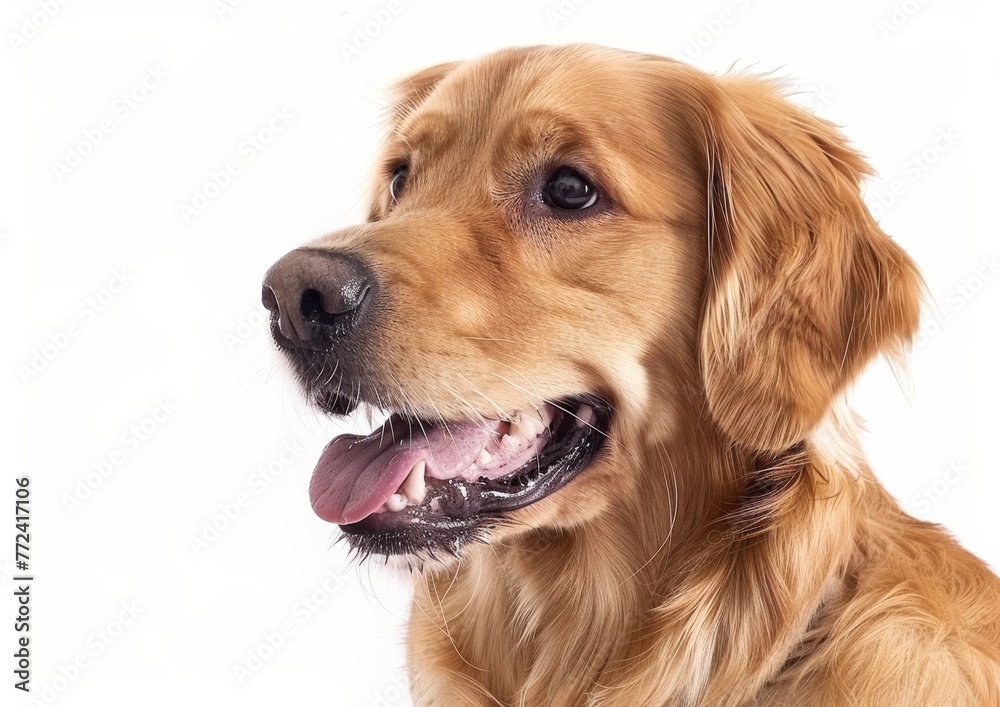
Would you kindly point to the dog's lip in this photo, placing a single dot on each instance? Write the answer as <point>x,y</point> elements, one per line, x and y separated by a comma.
<point>454,504</point>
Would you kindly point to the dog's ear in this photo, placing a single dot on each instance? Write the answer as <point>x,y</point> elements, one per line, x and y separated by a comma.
<point>410,92</point>
<point>803,287</point>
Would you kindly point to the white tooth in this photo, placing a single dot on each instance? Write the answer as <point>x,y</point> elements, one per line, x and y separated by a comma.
<point>414,486</point>
<point>531,427</point>
<point>435,504</point>
<point>484,458</point>
<point>508,442</point>
<point>585,415</point>
<point>396,502</point>
<point>545,414</point>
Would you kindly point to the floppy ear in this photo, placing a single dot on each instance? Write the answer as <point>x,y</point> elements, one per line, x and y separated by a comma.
<point>803,287</point>
<point>406,94</point>
<point>410,92</point>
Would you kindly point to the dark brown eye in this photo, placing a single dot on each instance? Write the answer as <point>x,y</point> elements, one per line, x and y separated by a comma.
<point>398,182</point>
<point>567,189</point>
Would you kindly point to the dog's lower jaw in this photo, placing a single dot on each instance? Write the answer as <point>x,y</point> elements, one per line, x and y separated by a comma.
<point>674,628</point>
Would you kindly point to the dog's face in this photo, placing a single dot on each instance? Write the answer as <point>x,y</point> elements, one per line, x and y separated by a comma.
<point>573,253</point>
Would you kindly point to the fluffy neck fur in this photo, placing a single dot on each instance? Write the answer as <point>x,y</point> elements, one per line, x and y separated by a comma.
<point>709,587</point>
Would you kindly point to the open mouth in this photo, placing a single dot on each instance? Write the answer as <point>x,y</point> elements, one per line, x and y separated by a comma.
<point>414,485</point>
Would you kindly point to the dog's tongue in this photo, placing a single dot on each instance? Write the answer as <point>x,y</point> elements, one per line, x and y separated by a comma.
<point>356,475</point>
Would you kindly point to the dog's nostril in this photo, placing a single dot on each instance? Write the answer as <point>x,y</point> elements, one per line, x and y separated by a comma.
<point>311,306</point>
<point>325,309</point>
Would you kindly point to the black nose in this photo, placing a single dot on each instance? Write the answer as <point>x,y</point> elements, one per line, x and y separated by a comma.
<point>317,295</point>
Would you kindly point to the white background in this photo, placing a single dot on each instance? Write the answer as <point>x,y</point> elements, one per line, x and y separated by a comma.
<point>185,331</point>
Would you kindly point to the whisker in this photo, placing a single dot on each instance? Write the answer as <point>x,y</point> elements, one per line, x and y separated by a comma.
<point>555,405</point>
<point>482,422</point>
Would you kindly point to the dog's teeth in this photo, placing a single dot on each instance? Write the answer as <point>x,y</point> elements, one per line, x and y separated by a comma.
<point>585,415</point>
<point>396,502</point>
<point>435,504</point>
<point>415,486</point>
<point>484,459</point>
<point>508,442</point>
<point>530,427</point>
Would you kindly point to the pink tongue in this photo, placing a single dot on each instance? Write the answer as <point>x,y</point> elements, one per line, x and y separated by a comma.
<point>356,475</point>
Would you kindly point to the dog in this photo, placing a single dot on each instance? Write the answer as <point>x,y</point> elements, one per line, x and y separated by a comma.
<point>611,306</point>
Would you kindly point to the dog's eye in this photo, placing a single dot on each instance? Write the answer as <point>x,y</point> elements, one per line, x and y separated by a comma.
<point>567,189</point>
<point>398,182</point>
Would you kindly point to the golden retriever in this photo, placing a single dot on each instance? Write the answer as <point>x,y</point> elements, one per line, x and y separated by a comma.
<point>611,305</point>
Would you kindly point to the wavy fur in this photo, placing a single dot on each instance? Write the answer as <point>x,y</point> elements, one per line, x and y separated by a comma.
<point>731,547</point>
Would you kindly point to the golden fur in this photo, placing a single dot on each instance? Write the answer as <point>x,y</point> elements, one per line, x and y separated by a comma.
<point>730,546</point>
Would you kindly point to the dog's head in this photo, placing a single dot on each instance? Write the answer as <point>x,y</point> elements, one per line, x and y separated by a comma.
<point>573,252</point>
